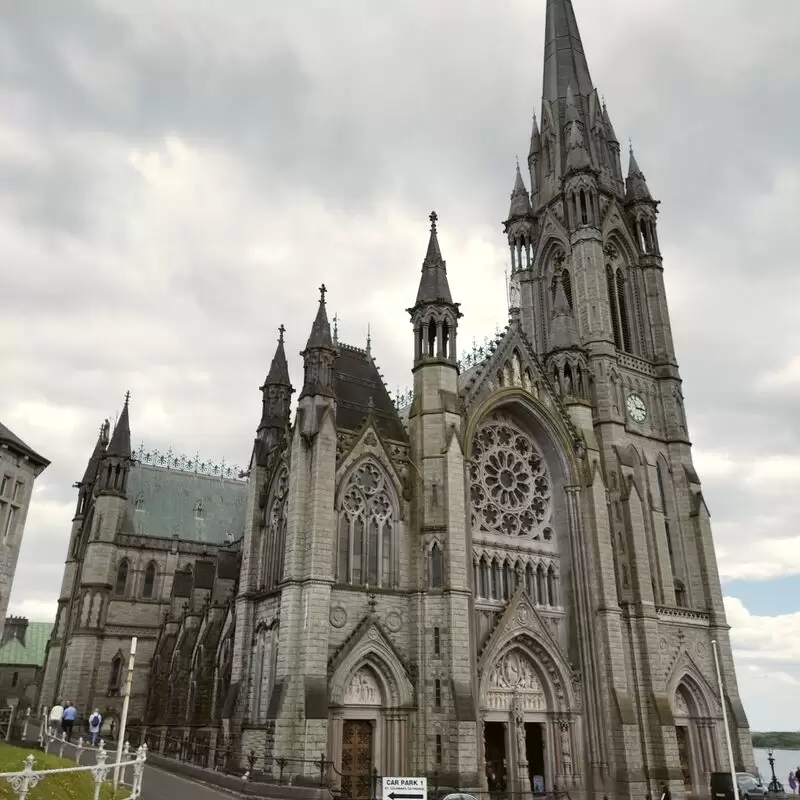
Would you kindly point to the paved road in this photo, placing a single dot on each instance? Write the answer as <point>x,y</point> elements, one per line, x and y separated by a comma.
<point>158,784</point>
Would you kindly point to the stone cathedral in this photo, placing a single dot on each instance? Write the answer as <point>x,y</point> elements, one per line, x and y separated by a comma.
<point>508,581</point>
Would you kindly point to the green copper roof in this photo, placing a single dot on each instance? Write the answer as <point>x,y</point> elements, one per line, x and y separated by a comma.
<point>202,508</point>
<point>32,652</point>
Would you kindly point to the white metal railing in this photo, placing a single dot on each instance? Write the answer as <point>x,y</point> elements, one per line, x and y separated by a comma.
<point>25,780</point>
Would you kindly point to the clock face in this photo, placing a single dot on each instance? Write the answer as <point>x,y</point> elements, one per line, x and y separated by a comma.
<point>637,410</point>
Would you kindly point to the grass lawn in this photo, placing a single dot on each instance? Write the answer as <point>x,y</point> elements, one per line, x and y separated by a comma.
<point>68,786</point>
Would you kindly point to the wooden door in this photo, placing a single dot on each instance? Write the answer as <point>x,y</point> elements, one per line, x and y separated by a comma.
<point>357,759</point>
<point>682,734</point>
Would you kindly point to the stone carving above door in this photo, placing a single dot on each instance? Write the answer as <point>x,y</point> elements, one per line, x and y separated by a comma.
<point>514,676</point>
<point>362,690</point>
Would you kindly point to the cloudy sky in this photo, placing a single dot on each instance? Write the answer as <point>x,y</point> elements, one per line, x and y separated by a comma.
<point>177,179</point>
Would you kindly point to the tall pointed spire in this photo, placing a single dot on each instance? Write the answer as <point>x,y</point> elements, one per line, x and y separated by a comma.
<point>520,200</point>
<point>120,444</point>
<point>276,394</point>
<point>99,450</point>
<point>636,185</point>
<point>433,285</point>
<point>319,354</point>
<point>536,140</point>
<point>564,60</point>
<point>320,335</point>
<point>278,374</point>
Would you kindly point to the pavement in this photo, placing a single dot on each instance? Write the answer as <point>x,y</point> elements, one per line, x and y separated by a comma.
<point>157,784</point>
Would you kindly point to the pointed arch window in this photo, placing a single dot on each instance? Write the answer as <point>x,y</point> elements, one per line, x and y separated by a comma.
<point>121,582</point>
<point>274,532</point>
<point>625,328</point>
<point>436,571</point>
<point>199,511</point>
<point>149,581</point>
<point>367,528</point>
<point>612,305</point>
<point>115,676</point>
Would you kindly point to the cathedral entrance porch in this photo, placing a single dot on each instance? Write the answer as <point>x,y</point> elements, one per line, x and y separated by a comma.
<point>496,760</point>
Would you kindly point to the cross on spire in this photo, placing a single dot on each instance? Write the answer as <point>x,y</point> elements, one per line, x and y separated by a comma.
<point>281,331</point>
<point>322,290</point>
<point>433,217</point>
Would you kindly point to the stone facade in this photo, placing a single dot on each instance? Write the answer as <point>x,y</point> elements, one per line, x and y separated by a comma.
<point>20,465</point>
<point>509,581</point>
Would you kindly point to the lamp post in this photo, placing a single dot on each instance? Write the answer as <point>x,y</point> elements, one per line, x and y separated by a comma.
<point>773,784</point>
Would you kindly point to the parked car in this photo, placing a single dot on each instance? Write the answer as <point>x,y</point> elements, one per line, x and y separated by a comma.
<point>750,787</point>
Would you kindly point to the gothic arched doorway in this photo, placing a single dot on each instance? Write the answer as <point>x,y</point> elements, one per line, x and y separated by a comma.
<point>695,732</point>
<point>529,733</point>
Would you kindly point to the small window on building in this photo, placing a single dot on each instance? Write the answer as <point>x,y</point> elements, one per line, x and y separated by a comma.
<point>14,679</point>
<point>149,581</point>
<point>436,567</point>
<point>438,748</point>
<point>4,485</point>
<point>436,642</point>
<point>437,692</point>
<point>122,579</point>
<point>140,502</point>
<point>17,496</point>
<point>199,513</point>
<point>680,594</point>
<point>115,676</point>
<point>8,529</point>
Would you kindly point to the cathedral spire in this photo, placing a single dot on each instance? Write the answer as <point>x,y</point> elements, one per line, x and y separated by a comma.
<point>97,455</point>
<point>564,332</point>
<point>520,200</point>
<point>120,444</point>
<point>319,355</point>
<point>564,59</point>
<point>276,393</point>
<point>637,189</point>
<point>433,285</point>
<point>536,141</point>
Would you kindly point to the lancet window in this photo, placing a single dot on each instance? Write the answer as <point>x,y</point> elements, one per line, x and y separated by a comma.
<point>510,486</point>
<point>367,528</point>
<point>263,672</point>
<point>149,581</point>
<point>274,532</point>
<point>618,304</point>
<point>498,581</point>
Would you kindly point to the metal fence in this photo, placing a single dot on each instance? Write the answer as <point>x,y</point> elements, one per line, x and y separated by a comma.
<point>27,778</point>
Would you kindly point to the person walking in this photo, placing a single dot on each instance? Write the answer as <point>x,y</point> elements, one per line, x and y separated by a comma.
<point>56,715</point>
<point>68,720</point>
<point>95,721</point>
<point>792,781</point>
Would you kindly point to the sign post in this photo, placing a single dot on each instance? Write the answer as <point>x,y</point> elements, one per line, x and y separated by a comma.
<point>405,788</point>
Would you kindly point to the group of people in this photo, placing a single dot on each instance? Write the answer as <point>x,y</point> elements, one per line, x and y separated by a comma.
<point>794,780</point>
<point>62,720</point>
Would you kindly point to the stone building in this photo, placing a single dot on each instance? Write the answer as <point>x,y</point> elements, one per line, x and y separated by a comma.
<point>20,465</point>
<point>143,523</point>
<point>510,580</point>
<point>22,653</point>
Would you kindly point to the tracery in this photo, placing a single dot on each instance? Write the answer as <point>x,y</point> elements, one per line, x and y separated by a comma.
<point>275,532</point>
<point>366,528</point>
<point>510,486</point>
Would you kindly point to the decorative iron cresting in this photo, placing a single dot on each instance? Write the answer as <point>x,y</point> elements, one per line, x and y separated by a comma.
<point>176,462</point>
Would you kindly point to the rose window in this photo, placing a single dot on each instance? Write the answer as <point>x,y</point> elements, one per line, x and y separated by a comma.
<point>510,487</point>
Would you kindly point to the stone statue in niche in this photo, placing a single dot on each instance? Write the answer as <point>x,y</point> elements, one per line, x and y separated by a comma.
<point>566,748</point>
<point>513,293</point>
<point>518,719</point>
<point>362,690</point>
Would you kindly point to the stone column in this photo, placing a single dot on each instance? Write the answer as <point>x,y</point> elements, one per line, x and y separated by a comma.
<point>521,778</point>
<point>484,783</point>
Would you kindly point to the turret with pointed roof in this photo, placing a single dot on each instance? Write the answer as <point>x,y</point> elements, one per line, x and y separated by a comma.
<point>117,459</point>
<point>434,314</point>
<point>276,396</point>
<point>319,355</point>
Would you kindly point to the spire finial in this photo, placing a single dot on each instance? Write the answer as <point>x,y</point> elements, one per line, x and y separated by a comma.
<point>322,290</point>
<point>433,217</point>
<point>369,337</point>
<point>630,144</point>
<point>336,328</point>
<point>281,331</point>
<point>127,397</point>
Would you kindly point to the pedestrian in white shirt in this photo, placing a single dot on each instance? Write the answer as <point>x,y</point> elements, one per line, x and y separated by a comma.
<point>95,721</point>
<point>56,716</point>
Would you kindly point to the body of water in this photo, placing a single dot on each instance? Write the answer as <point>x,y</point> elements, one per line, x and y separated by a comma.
<point>785,760</point>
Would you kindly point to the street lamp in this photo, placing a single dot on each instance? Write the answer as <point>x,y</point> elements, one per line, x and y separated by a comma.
<point>773,784</point>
